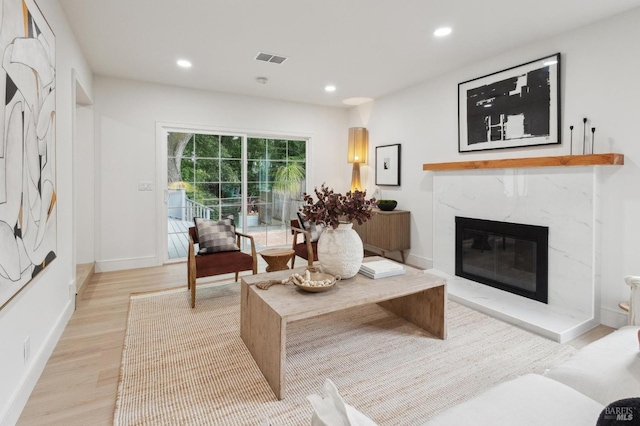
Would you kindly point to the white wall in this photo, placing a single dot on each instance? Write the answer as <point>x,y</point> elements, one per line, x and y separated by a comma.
<point>41,310</point>
<point>599,81</point>
<point>126,114</point>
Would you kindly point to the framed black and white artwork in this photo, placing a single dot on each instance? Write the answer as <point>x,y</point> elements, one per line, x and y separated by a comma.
<point>516,107</point>
<point>388,165</point>
<point>28,193</point>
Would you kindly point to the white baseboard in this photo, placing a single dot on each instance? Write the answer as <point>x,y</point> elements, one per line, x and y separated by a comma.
<point>411,259</point>
<point>420,262</point>
<point>131,263</point>
<point>35,369</point>
<point>613,318</point>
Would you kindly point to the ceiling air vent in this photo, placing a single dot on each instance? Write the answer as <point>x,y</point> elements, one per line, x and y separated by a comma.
<point>267,57</point>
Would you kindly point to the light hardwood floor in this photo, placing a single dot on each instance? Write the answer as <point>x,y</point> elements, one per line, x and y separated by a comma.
<point>79,383</point>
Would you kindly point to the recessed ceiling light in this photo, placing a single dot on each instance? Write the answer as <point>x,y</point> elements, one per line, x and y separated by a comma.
<point>330,88</point>
<point>441,32</point>
<point>183,63</point>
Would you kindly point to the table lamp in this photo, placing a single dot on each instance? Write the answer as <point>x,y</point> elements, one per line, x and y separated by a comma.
<point>358,147</point>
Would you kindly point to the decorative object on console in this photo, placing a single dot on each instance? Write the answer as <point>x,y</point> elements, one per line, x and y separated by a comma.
<point>340,250</point>
<point>388,165</point>
<point>512,108</point>
<point>593,137</point>
<point>387,205</point>
<point>28,194</point>
<point>358,150</point>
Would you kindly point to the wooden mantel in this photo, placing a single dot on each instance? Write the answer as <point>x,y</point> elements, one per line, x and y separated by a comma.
<point>510,163</point>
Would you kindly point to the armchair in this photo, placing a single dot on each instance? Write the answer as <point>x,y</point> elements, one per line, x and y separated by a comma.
<point>217,263</point>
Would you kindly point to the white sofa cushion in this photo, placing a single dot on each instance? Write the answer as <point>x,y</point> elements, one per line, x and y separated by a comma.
<point>606,370</point>
<point>331,410</point>
<point>530,400</point>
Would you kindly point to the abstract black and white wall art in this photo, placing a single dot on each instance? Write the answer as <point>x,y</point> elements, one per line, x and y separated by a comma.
<point>517,107</point>
<point>27,146</point>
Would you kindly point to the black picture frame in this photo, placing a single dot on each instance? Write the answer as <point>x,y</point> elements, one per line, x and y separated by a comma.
<point>513,108</point>
<point>388,165</point>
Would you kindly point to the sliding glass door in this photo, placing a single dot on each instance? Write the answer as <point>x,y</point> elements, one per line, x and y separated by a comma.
<point>276,180</point>
<point>257,181</point>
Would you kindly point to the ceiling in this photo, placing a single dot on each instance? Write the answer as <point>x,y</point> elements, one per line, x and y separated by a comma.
<point>366,48</point>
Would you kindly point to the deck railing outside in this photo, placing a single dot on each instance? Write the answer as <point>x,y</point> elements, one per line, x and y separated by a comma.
<point>179,206</point>
<point>193,209</point>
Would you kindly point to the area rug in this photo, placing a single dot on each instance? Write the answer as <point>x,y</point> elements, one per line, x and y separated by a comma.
<point>189,366</point>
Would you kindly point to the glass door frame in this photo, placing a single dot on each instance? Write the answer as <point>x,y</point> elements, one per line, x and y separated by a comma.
<point>162,132</point>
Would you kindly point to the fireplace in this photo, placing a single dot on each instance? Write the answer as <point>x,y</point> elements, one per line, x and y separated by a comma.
<point>509,256</point>
<point>564,199</point>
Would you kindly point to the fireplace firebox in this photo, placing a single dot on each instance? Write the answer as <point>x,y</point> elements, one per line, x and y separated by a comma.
<point>509,256</point>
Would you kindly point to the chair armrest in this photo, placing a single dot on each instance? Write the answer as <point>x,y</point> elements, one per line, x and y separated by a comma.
<point>300,230</point>
<point>307,235</point>
<point>253,249</point>
<point>295,231</point>
<point>191,255</point>
<point>191,271</point>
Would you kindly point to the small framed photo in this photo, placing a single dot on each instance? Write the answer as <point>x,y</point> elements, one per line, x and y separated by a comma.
<point>516,107</point>
<point>388,165</point>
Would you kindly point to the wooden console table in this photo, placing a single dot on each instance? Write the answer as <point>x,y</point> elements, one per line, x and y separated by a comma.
<point>387,231</point>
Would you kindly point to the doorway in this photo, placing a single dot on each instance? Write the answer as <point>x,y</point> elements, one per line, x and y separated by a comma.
<point>83,187</point>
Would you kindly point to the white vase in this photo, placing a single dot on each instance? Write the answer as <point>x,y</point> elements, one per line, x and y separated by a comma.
<point>340,251</point>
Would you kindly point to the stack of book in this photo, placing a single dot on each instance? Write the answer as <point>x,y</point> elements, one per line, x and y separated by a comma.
<point>381,269</point>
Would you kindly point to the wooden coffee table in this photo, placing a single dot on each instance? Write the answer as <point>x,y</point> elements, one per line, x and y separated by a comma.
<point>277,258</point>
<point>416,296</point>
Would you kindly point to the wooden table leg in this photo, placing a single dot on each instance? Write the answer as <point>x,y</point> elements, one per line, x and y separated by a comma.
<point>426,309</point>
<point>264,333</point>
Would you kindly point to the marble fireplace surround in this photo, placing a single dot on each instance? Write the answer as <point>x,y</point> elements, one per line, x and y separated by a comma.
<point>565,199</point>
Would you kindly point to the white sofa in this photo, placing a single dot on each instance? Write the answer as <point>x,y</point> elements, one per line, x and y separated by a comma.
<point>574,392</point>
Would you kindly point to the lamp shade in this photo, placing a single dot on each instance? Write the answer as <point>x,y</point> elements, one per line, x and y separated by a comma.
<point>358,145</point>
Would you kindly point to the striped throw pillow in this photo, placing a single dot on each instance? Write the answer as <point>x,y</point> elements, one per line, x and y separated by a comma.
<point>216,236</point>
